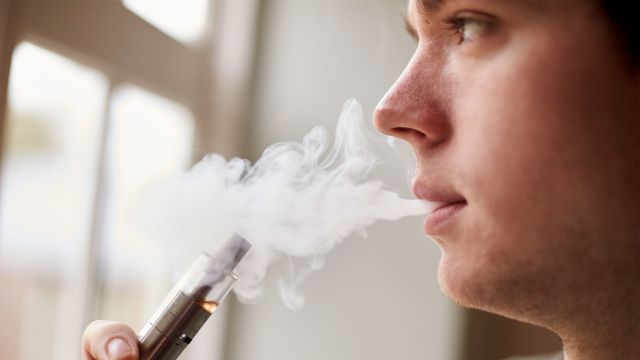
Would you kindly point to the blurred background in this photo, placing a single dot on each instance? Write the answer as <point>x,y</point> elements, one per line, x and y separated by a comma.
<point>102,97</point>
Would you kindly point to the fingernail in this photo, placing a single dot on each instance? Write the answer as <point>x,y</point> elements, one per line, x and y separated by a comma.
<point>118,348</point>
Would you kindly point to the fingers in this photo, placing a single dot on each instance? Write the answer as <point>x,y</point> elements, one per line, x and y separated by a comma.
<point>108,340</point>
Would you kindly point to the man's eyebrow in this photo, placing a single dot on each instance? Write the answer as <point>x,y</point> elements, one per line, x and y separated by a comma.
<point>425,8</point>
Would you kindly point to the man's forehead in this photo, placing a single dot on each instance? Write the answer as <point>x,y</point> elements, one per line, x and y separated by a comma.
<point>429,7</point>
<point>425,8</point>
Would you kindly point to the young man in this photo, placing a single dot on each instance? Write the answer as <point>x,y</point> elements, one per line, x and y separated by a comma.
<point>525,119</point>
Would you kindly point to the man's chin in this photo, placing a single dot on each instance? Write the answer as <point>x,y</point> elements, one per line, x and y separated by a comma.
<point>468,286</point>
<point>496,289</point>
<point>453,282</point>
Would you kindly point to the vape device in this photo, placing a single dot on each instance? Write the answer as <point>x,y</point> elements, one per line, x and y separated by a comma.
<point>194,298</point>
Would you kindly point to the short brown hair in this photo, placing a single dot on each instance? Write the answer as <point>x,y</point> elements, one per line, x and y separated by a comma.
<point>624,16</point>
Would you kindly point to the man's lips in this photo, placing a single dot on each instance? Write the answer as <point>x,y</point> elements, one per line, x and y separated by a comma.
<point>438,218</point>
<point>450,204</point>
<point>435,194</point>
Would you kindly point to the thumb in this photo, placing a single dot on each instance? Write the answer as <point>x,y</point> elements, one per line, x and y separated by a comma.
<point>107,340</point>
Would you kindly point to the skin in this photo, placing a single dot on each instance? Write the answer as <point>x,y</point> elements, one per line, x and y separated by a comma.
<point>526,115</point>
<point>100,334</point>
<point>531,124</point>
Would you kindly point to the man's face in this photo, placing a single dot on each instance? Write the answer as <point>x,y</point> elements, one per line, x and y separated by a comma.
<point>524,119</point>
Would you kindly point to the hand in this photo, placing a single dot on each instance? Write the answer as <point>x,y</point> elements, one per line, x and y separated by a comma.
<point>108,340</point>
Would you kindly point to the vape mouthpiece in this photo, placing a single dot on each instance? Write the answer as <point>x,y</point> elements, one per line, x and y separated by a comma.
<point>192,301</point>
<point>232,251</point>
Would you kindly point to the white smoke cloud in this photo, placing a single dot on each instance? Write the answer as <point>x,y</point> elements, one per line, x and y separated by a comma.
<point>298,202</point>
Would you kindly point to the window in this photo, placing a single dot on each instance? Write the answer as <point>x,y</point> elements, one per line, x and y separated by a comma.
<point>70,174</point>
<point>49,175</point>
<point>183,20</point>
<point>101,103</point>
<point>149,139</point>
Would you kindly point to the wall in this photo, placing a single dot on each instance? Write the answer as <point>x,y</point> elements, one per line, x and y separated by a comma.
<point>377,298</point>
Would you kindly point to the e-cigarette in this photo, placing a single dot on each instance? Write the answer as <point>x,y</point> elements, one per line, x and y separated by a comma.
<point>190,303</point>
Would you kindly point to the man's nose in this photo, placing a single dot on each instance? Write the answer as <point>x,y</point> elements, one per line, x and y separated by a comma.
<point>415,109</point>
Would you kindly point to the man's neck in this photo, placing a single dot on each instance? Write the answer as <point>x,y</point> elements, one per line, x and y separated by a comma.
<point>620,340</point>
<point>588,352</point>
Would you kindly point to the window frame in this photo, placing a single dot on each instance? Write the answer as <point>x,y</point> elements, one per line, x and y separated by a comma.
<point>213,80</point>
<point>114,52</point>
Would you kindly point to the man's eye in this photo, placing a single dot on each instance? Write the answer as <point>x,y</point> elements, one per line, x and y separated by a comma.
<point>470,29</point>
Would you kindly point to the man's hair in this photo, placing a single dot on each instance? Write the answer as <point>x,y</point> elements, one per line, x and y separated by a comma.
<point>624,15</point>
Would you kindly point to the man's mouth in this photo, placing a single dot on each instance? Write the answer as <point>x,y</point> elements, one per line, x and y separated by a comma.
<point>441,217</point>
<point>438,219</point>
